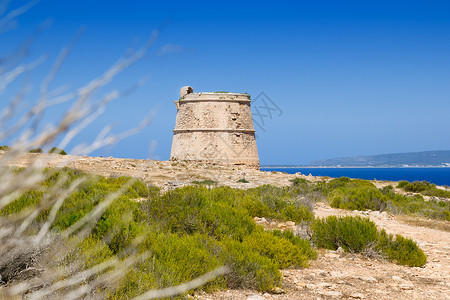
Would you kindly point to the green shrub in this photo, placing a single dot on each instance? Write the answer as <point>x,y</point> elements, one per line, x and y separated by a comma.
<point>135,282</point>
<point>173,253</point>
<point>300,182</point>
<point>121,224</point>
<point>27,199</point>
<point>402,250</point>
<point>280,250</point>
<point>36,150</point>
<point>435,192</point>
<point>387,190</point>
<point>403,184</point>
<point>174,259</point>
<point>243,180</point>
<point>345,182</point>
<point>253,255</point>
<point>298,241</point>
<point>416,205</point>
<point>192,209</point>
<point>276,203</point>
<point>57,151</point>
<point>424,187</point>
<point>249,269</point>
<point>142,191</point>
<point>33,197</point>
<point>416,186</point>
<point>4,148</point>
<point>358,198</point>
<point>355,194</point>
<point>353,234</point>
<point>205,182</point>
<point>90,193</point>
<point>90,252</point>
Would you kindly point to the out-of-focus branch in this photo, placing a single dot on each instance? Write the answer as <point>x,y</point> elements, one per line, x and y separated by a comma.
<point>4,21</point>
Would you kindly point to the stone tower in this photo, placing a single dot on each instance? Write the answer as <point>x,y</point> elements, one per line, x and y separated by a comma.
<point>214,128</point>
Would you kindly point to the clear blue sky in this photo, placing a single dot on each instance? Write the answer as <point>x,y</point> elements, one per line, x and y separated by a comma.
<point>351,77</point>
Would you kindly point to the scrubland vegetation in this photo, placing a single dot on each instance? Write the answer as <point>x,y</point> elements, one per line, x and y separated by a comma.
<point>192,230</point>
<point>355,234</point>
<point>356,194</point>
<point>423,187</point>
<point>187,231</point>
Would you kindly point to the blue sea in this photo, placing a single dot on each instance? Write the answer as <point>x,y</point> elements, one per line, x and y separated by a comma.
<point>439,176</point>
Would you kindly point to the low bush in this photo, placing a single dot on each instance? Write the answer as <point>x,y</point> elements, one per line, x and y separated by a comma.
<point>416,186</point>
<point>416,205</point>
<point>296,240</point>
<point>121,224</point>
<point>345,182</point>
<point>356,194</point>
<point>218,222</point>
<point>174,259</point>
<point>279,249</point>
<point>57,151</point>
<point>26,200</point>
<point>356,234</point>
<point>36,150</point>
<point>353,234</point>
<point>90,252</point>
<point>90,193</point>
<point>358,198</point>
<point>195,209</point>
<point>205,182</point>
<point>423,187</point>
<point>402,250</point>
<point>276,203</point>
<point>300,182</point>
<point>243,180</point>
<point>249,269</point>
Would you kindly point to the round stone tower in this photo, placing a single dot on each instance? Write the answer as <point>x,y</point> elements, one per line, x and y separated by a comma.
<point>214,128</point>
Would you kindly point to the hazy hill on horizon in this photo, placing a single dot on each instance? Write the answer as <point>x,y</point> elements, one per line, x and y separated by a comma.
<point>424,158</point>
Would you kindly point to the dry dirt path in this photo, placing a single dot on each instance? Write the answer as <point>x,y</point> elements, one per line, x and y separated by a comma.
<point>338,275</point>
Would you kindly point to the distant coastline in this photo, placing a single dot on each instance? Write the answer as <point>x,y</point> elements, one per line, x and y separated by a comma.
<point>424,159</point>
<point>439,175</point>
<point>320,167</point>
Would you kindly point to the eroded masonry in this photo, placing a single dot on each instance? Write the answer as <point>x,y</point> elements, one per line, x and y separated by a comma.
<point>214,128</point>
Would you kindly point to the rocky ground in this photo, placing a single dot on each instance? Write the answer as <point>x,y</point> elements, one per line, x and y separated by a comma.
<point>164,174</point>
<point>334,274</point>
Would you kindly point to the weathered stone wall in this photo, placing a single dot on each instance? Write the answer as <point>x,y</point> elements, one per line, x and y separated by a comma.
<point>215,128</point>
